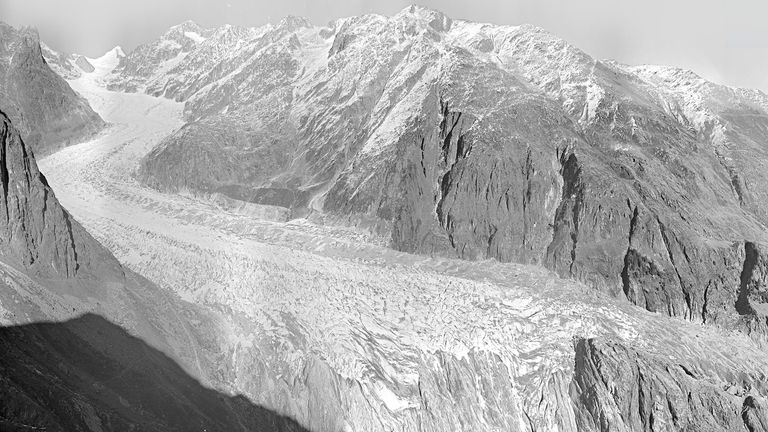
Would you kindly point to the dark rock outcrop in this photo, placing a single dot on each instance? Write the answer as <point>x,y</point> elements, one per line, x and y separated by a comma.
<point>616,388</point>
<point>47,112</point>
<point>619,194</point>
<point>35,231</point>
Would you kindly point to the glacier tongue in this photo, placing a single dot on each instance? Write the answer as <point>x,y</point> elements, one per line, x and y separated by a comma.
<point>329,327</point>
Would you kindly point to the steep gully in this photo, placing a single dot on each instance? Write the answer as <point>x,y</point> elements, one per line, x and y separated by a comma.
<point>341,333</point>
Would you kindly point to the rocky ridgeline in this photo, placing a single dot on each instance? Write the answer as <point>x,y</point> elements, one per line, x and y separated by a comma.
<point>47,112</point>
<point>67,66</point>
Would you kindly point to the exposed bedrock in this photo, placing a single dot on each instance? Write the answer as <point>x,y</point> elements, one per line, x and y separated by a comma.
<point>453,188</point>
<point>35,231</point>
<point>247,174</point>
<point>520,185</point>
<point>616,388</point>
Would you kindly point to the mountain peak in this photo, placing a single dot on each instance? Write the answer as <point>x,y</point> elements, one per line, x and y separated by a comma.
<point>436,19</point>
<point>109,60</point>
<point>187,25</point>
<point>293,22</point>
<point>415,9</point>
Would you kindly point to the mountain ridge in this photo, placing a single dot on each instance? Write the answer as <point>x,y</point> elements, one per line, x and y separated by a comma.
<point>49,114</point>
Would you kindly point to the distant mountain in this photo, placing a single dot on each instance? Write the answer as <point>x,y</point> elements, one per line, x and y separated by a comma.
<point>68,66</point>
<point>47,112</point>
<point>475,140</point>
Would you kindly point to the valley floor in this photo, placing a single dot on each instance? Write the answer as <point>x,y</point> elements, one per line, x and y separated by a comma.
<point>297,288</point>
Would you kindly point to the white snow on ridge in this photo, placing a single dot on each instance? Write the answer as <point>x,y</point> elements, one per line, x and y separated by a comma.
<point>107,62</point>
<point>194,36</point>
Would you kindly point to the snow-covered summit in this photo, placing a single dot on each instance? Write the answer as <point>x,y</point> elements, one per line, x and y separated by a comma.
<point>425,16</point>
<point>108,61</point>
<point>188,25</point>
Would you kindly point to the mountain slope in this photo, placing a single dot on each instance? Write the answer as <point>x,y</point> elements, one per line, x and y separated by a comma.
<point>619,388</point>
<point>47,112</point>
<point>472,140</point>
<point>141,366</point>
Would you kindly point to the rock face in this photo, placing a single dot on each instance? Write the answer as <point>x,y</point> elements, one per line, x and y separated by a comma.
<point>480,141</point>
<point>47,112</point>
<point>35,230</point>
<point>616,388</point>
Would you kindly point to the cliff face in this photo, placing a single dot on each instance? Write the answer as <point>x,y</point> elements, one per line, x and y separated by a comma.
<point>525,185</point>
<point>35,231</point>
<point>616,388</point>
<point>47,112</point>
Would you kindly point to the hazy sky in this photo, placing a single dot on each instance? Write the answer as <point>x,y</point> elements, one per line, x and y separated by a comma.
<point>723,41</point>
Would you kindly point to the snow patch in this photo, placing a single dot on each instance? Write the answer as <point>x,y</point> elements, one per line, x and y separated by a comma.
<point>107,62</point>
<point>392,401</point>
<point>194,36</point>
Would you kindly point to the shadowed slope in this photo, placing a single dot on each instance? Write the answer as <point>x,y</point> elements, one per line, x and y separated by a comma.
<point>88,374</point>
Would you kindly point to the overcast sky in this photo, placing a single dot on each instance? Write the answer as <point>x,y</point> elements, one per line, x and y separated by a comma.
<point>724,41</point>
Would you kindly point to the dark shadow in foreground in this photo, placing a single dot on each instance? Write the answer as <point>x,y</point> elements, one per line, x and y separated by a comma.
<point>88,374</point>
